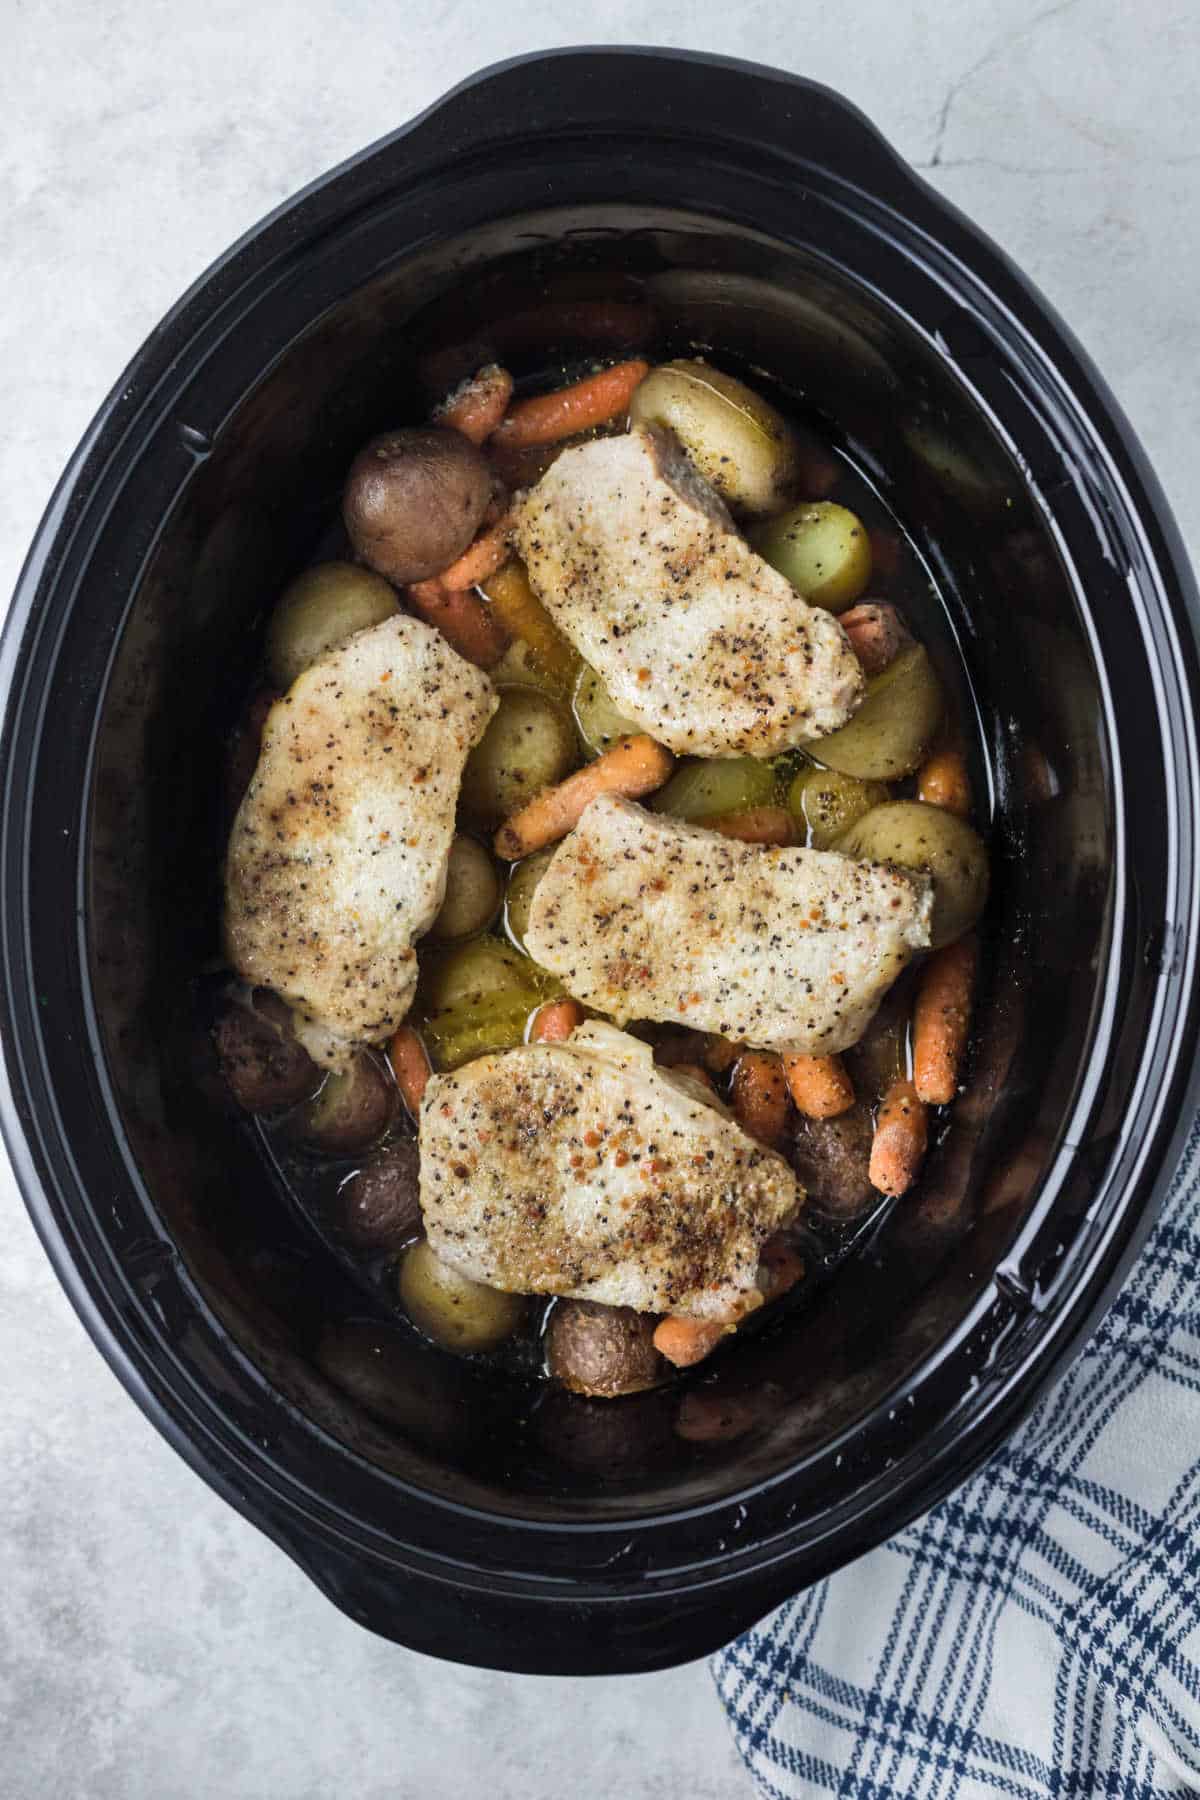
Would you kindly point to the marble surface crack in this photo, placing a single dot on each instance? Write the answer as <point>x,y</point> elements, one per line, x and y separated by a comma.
<point>1007,41</point>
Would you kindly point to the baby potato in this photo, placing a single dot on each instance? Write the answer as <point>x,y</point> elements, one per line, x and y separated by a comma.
<point>414,499</point>
<point>459,1314</point>
<point>599,722</point>
<point>319,611</point>
<point>472,892</point>
<point>918,836</point>
<point>477,999</point>
<point>832,1158</point>
<point>826,802</point>
<point>518,898</point>
<point>708,788</point>
<point>893,728</point>
<point>734,437</point>
<point>354,1107</point>
<point>379,1206</point>
<point>823,549</point>
<point>602,1350</point>
<point>529,745</point>
<point>263,1064</point>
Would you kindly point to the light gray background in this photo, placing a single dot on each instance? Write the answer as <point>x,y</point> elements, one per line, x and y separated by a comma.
<point>152,1645</point>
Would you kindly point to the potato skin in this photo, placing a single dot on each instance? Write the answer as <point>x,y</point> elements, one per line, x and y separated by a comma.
<point>734,437</point>
<point>414,499</point>
<point>263,1065</point>
<point>529,745</point>
<point>597,719</point>
<point>919,836</point>
<point>379,1206</point>
<point>827,803</point>
<point>893,728</point>
<point>824,551</point>
<point>472,897</point>
<point>602,1351</point>
<point>459,1314</point>
<point>353,1109</point>
<point>518,897</point>
<point>831,1157</point>
<point>318,611</point>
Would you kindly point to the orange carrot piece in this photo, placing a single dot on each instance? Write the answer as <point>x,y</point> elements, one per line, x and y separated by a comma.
<point>820,1085</point>
<point>779,1269</point>
<point>757,825</point>
<point>901,1133</point>
<point>634,766</point>
<point>941,1020</point>
<point>544,418</point>
<point>554,1022</point>
<point>464,620</point>
<point>478,404</point>
<point>481,558</point>
<point>943,781</point>
<point>877,635</point>
<point>760,1096</point>
<point>687,1341</point>
<point>410,1066</point>
<point>521,612</point>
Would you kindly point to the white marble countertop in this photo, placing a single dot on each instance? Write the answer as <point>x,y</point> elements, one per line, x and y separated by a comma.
<point>152,1645</point>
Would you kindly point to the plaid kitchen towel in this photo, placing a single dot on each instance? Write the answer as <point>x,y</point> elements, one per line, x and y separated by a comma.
<point>1038,1633</point>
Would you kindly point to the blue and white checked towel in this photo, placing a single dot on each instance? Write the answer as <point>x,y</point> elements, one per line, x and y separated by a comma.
<point>1038,1633</point>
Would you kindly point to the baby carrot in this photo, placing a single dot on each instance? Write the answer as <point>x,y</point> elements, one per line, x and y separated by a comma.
<point>687,1341</point>
<point>943,781</point>
<point>521,612</point>
<point>757,825</point>
<point>901,1130</point>
<point>478,404</point>
<point>819,1085</point>
<point>544,418</point>
<point>464,620</point>
<point>760,1096</point>
<point>554,1022</point>
<point>877,635</point>
<point>479,560</point>
<point>634,766</point>
<point>941,1019</point>
<point>410,1066</point>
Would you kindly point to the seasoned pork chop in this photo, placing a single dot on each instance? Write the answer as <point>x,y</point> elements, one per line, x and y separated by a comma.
<point>582,1169</point>
<point>698,640</point>
<point>644,917</point>
<point>337,857</point>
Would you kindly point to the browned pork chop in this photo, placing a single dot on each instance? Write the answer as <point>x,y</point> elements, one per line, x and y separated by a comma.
<point>644,917</point>
<point>698,640</point>
<point>337,857</point>
<point>582,1169</point>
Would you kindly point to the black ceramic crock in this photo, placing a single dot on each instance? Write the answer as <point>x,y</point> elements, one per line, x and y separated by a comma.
<point>456,1510</point>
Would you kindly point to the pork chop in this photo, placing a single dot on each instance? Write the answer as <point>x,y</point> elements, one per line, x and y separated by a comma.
<point>582,1169</point>
<point>337,857</point>
<point>644,917</point>
<point>697,639</point>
